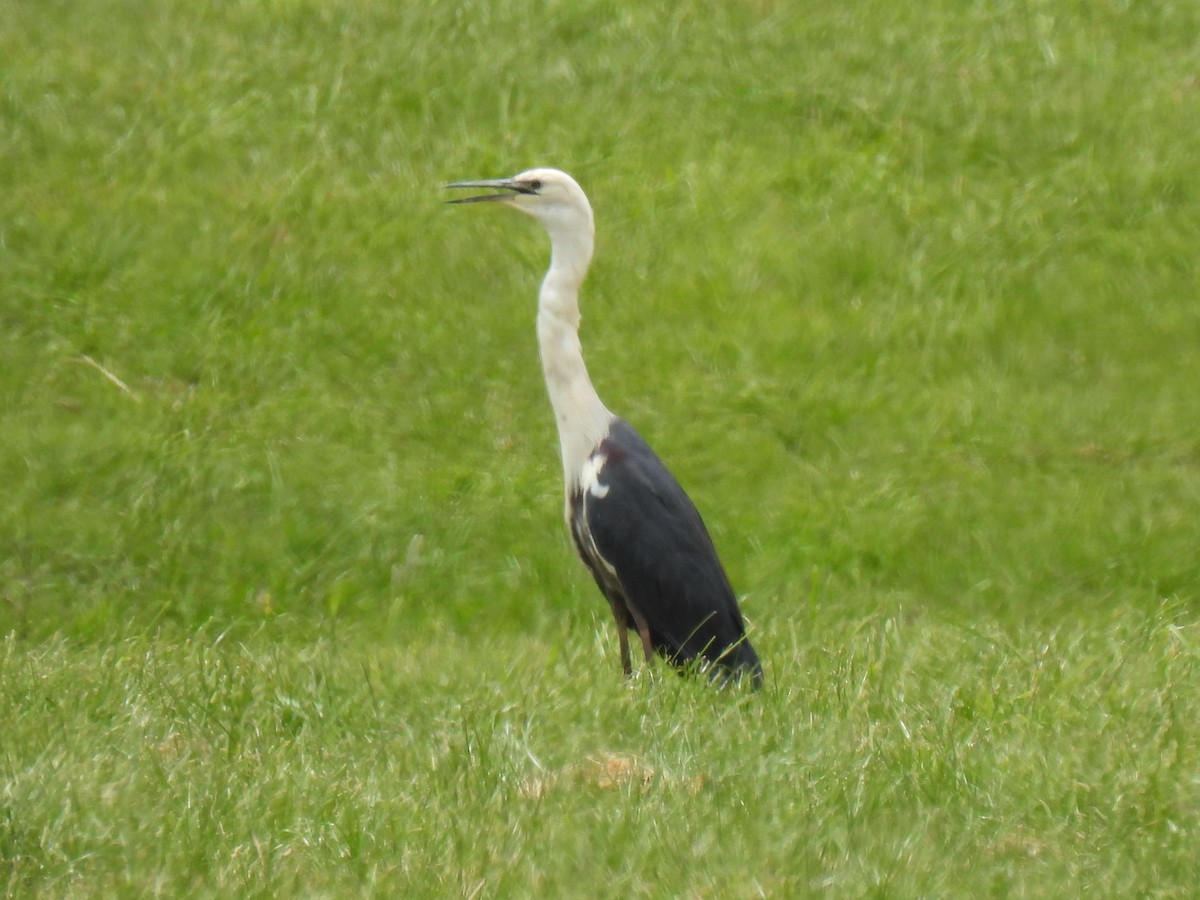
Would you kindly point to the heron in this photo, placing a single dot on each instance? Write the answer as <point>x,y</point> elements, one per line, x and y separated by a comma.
<point>631,523</point>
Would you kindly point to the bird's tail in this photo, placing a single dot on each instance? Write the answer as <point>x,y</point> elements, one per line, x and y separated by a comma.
<point>740,661</point>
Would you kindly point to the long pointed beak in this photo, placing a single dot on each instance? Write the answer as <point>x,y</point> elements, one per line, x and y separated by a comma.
<point>499,184</point>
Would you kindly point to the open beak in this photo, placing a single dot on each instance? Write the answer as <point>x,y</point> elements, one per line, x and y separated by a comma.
<point>506,187</point>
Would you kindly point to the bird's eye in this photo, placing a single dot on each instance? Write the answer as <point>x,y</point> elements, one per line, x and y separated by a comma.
<point>536,184</point>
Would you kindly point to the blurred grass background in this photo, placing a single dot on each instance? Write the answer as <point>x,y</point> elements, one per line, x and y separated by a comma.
<point>906,296</point>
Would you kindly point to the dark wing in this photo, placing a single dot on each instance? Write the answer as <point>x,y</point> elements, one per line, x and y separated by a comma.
<point>651,535</point>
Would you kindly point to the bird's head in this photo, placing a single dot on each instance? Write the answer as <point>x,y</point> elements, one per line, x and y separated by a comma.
<point>549,195</point>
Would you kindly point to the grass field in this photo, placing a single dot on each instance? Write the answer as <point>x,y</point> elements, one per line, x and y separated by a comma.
<point>905,294</point>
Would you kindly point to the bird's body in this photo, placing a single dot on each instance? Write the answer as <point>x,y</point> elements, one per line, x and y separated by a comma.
<point>630,521</point>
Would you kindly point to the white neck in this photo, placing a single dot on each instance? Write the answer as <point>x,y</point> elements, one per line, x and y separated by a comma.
<point>582,418</point>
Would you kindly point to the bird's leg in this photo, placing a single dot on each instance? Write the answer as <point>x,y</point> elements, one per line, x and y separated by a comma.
<point>623,636</point>
<point>647,645</point>
<point>618,610</point>
<point>643,630</point>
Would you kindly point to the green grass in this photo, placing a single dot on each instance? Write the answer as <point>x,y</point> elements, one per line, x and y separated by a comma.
<point>906,758</point>
<point>906,295</point>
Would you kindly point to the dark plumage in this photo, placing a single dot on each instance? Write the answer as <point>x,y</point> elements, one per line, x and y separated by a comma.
<point>646,545</point>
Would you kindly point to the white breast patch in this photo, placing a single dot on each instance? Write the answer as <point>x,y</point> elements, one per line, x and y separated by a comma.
<point>590,478</point>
